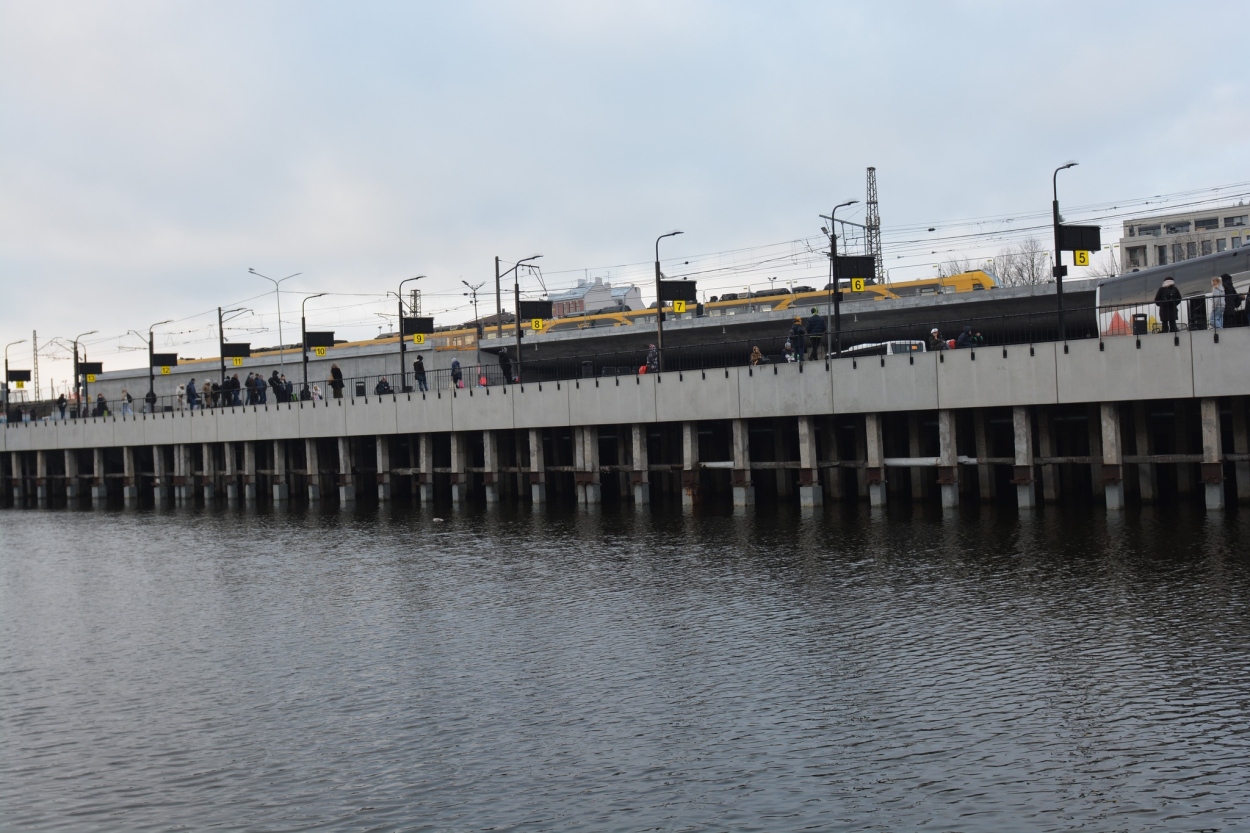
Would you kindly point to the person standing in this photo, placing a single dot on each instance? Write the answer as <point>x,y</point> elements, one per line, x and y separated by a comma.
<point>101,405</point>
<point>418,370</point>
<point>457,376</point>
<point>1232,302</point>
<point>262,390</point>
<point>193,396</point>
<point>336,381</point>
<point>150,398</point>
<point>250,385</point>
<point>797,336</point>
<point>181,392</point>
<point>505,365</point>
<point>816,331</point>
<point>653,359</point>
<point>1168,300</point>
<point>127,399</point>
<point>966,339</point>
<point>1217,304</point>
<point>61,402</point>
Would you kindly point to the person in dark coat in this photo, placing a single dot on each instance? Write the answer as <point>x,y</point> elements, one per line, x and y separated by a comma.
<point>61,402</point>
<point>262,389</point>
<point>279,389</point>
<point>383,387</point>
<point>1168,300</point>
<point>965,338</point>
<point>418,369</point>
<point>150,398</point>
<point>1232,303</point>
<point>250,386</point>
<point>505,365</point>
<point>336,381</point>
<point>797,335</point>
<point>936,342</point>
<point>816,331</point>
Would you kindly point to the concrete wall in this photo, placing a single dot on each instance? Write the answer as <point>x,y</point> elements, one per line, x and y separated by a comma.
<point>1117,369</point>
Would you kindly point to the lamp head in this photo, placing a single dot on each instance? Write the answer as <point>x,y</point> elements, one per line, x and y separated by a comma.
<point>1071,164</point>
<point>848,202</point>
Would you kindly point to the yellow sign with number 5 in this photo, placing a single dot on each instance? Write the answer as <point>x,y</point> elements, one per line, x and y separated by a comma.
<point>165,370</point>
<point>679,306</point>
<point>857,284</point>
<point>319,351</point>
<point>419,338</point>
<point>1082,258</point>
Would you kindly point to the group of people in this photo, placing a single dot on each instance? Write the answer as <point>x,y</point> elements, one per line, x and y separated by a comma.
<point>254,390</point>
<point>1223,299</point>
<point>967,338</point>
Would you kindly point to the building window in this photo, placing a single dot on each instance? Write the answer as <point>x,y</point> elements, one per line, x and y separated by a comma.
<point>1191,250</point>
<point>1149,231</point>
<point>1178,228</point>
<point>1137,256</point>
<point>1163,255</point>
<point>1236,242</point>
<point>1178,253</point>
<point>1208,224</point>
<point>1231,222</point>
<point>1206,247</point>
<point>1132,231</point>
<point>1221,244</point>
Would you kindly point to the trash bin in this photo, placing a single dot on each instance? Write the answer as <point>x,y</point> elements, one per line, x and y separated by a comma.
<point>588,370</point>
<point>1140,323</point>
<point>360,389</point>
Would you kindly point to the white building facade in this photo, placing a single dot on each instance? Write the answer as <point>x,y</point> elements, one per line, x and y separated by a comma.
<point>592,296</point>
<point>1172,238</point>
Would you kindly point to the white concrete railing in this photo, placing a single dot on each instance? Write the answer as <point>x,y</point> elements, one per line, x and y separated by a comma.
<point>1121,368</point>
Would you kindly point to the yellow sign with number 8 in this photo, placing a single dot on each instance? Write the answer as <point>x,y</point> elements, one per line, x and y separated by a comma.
<point>536,324</point>
<point>1082,258</point>
<point>165,370</point>
<point>857,284</point>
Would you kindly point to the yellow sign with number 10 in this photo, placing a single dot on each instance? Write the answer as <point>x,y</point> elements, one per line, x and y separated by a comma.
<point>1082,258</point>
<point>319,351</point>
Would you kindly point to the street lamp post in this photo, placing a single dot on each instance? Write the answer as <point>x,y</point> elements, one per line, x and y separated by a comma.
<point>477,322</point>
<point>1059,270</point>
<point>659,303</point>
<point>77,396</point>
<point>303,340</point>
<point>403,368</point>
<point>221,335</point>
<point>281,355</point>
<point>6,369</point>
<point>516,292</point>
<point>836,330</point>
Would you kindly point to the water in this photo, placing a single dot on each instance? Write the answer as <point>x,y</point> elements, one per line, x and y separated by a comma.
<point>556,670</point>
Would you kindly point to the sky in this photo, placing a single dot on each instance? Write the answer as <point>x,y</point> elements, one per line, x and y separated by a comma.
<point>151,153</point>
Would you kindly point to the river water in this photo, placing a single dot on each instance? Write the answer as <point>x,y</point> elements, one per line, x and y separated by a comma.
<point>610,670</point>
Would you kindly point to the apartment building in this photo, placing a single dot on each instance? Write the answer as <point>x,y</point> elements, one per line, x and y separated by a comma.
<point>1171,238</point>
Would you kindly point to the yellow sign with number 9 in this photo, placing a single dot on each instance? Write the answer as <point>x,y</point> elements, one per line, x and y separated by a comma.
<point>319,351</point>
<point>165,370</point>
<point>419,338</point>
<point>1082,258</point>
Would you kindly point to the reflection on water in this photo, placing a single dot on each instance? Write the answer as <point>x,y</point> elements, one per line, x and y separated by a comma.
<point>553,669</point>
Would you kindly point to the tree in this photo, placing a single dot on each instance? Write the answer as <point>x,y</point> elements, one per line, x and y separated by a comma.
<point>1106,265</point>
<point>955,267</point>
<point>1023,264</point>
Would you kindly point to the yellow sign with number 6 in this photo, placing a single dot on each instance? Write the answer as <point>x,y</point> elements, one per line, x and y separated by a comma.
<point>90,378</point>
<point>857,284</point>
<point>536,324</point>
<point>319,351</point>
<point>679,306</point>
<point>1082,258</point>
<point>419,338</point>
<point>237,361</point>
<point>165,370</point>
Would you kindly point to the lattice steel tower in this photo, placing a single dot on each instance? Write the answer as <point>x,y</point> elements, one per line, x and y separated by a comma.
<point>874,225</point>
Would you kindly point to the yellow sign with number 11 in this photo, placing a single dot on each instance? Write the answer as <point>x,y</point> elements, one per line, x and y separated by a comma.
<point>238,361</point>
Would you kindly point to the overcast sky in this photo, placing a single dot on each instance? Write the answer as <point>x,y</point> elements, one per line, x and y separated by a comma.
<point>151,152</point>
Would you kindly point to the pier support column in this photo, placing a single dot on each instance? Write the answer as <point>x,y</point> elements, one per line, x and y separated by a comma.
<point>162,480</point>
<point>1022,473</point>
<point>41,477</point>
<point>948,458</point>
<point>1046,439</point>
<point>231,473</point>
<point>1212,455</point>
<point>1111,470</point>
<point>384,466</point>
<point>1241,445</point>
<point>249,472</point>
<point>347,484</point>
<point>1184,471</point>
<point>18,478</point>
<point>1141,434</point>
<point>861,454</point>
<point>99,487</point>
<point>689,463</point>
<point>459,488</point>
<point>312,470</point>
<point>281,488</point>
<point>209,478</point>
<point>744,491</point>
<point>538,467</point>
<point>130,479</point>
<point>1096,479</point>
<point>809,484</point>
<point>490,462</point>
<point>781,454</point>
<point>73,488</point>
<point>985,472</point>
<point>832,475</point>
<point>425,443</point>
<point>640,473</point>
<point>913,450</point>
<point>874,456</point>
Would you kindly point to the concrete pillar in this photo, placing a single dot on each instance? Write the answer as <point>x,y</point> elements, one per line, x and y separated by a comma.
<point>985,471</point>
<point>591,491</point>
<point>1145,471</point>
<point>913,450</point>
<point>281,488</point>
<point>1046,439</point>
<point>1184,471</point>
<point>231,473</point>
<point>384,467</point>
<point>161,478</point>
<point>744,491</point>
<point>640,474</point>
<point>1022,473</point>
<point>1094,422</point>
<point>130,480</point>
<point>809,483</point>
<point>1212,455</point>
<point>249,472</point>
<point>490,461</point>
<point>781,454</point>
<point>41,477</point>
<point>689,463</point>
<point>99,489</point>
<point>874,459</point>
<point>209,479</point>
<point>425,443</point>
<point>948,458</point>
<point>538,467</point>
<point>19,477</point>
<point>861,454</point>
<point>459,486</point>
<point>347,484</point>
<point>73,488</point>
<point>832,474</point>
<point>1111,470</point>
<point>1241,445</point>
<point>312,469</point>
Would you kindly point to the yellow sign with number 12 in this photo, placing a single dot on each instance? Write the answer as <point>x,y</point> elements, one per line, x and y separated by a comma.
<point>165,370</point>
<point>1082,258</point>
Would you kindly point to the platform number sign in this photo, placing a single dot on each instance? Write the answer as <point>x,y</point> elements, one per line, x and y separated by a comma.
<point>857,284</point>
<point>418,338</point>
<point>1082,258</point>
<point>165,370</point>
<point>237,361</point>
<point>679,306</point>
<point>536,324</point>
<point>20,385</point>
<point>90,379</point>
<point>319,351</point>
